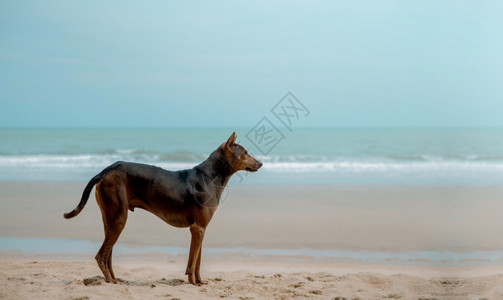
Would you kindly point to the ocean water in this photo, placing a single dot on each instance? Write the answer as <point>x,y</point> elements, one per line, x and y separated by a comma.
<point>305,155</point>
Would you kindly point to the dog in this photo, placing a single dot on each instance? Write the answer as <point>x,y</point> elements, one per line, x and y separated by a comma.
<point>186,198</point>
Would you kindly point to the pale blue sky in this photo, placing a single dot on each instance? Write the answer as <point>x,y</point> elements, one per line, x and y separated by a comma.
<point>226,63</point>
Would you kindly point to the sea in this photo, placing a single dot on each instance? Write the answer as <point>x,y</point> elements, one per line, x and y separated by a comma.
<point>301,156</point>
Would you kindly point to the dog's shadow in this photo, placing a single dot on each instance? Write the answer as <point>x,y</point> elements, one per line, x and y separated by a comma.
<point>99,280</point>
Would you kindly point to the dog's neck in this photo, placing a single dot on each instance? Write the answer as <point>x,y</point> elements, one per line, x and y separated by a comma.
<point>216,168</point>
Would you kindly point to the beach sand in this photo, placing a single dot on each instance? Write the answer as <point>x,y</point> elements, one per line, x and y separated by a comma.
<point>457,219</point>
<point>58,279</point>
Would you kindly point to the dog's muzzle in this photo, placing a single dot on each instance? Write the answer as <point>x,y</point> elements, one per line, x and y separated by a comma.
<point>257,166</point>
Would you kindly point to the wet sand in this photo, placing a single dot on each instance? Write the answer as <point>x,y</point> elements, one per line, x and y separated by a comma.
<point>373,218</point>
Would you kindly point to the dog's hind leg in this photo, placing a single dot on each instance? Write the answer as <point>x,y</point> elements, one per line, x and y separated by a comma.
<point>113,204</point>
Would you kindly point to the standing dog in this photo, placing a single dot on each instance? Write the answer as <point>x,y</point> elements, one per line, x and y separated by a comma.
<point>186,198</point>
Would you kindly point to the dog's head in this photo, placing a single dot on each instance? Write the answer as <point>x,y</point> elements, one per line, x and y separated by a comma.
<point>237,157</point>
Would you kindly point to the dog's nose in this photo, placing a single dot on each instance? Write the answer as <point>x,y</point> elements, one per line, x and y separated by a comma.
<point>259,164</point>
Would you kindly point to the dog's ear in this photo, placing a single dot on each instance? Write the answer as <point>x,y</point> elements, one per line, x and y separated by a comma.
<point>232,139</point>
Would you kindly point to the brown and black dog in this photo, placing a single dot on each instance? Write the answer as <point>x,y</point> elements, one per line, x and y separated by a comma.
<point>186,198</point>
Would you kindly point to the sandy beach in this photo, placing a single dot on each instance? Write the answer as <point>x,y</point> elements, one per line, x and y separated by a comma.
<point>57,279</point>
<point>271,233</point>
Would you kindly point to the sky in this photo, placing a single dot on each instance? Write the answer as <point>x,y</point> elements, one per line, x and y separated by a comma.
<point>227,63</point>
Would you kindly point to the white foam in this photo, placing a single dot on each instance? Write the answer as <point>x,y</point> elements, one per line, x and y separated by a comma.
<point>383,166</point>
<point>99,161</point>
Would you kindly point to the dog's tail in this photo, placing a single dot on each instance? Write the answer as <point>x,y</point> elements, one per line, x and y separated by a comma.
<point>85,196</point>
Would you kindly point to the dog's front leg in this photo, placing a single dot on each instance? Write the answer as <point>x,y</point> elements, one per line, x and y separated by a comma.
<point>197,233</point>
<point>198,266</point>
